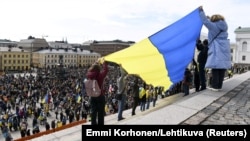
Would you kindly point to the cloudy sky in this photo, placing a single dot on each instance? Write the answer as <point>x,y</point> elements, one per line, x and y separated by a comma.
<point>128,20</point>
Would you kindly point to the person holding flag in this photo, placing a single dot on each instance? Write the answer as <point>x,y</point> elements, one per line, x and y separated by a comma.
<point>219,53</point>
<point>98,71</point>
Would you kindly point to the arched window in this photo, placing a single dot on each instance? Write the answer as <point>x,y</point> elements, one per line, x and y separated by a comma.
<point>244,46</point>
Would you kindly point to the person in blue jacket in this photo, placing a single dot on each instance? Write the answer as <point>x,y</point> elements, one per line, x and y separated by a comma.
<point>219,55</point>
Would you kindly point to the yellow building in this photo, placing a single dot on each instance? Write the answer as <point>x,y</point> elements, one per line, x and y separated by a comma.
<point>14,59</point>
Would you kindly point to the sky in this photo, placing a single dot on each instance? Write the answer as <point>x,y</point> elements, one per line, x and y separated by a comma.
<point>78,21</point>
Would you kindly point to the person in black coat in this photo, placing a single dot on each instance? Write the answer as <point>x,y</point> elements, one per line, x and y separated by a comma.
<point>202,47</point>
<point>47,126</point>
<point>196,76</point>
<point>28,132</point>
<point>53,124</point>
<point>36,129</point>
<point>135,94</point>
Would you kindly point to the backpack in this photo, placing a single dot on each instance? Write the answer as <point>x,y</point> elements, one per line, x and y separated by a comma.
<point>92,88</point>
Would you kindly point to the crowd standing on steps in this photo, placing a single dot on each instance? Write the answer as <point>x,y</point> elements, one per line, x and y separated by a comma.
<point>38,98</point>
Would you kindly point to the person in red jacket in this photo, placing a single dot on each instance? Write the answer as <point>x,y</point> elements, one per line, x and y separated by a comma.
<point>98,71</point>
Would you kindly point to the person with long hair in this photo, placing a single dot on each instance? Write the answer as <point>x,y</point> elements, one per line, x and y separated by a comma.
<point>219,55</point>
<point>98,71</point>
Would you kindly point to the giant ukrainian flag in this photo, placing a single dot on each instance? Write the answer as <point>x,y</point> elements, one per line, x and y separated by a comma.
<point>161,58</point>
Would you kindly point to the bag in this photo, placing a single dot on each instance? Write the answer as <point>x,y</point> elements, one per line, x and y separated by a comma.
<point>92,88</point>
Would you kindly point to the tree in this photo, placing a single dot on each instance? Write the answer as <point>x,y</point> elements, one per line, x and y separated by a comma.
<point>31,37</point>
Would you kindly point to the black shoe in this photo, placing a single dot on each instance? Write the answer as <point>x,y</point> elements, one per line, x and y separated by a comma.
<point>133,114</point>
<point>121,118</point>
<point>185,95</point>
<point>202,89</point>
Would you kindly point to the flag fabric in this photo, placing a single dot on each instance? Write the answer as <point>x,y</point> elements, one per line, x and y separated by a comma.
<point>46,98</point>
<point>78,98</point>
<point>161,59</point>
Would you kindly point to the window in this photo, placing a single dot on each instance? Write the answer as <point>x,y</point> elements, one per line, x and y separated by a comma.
<point>244,46</point>
<point>243,58</point>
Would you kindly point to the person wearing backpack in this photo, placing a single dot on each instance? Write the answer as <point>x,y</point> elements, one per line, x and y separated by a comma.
<point>98,71</point>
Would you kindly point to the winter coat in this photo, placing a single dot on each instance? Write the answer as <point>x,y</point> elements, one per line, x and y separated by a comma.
<point>99,76</point>
<point>219,55</point>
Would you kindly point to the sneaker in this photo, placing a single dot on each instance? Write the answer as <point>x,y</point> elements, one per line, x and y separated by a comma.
<point>215,90</point>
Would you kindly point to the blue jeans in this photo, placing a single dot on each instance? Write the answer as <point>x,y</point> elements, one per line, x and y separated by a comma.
<point>143,105</point>
<point>148,103</point>
<point>121,105</point>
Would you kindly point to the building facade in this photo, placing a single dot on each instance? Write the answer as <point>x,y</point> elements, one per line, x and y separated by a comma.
<point>7,43</point>
<point>60,44</point>
<point>108,47</point>
<point>241,50</point>
<point>50,58</point>
<point>33,44</point>
<point>14,59</point>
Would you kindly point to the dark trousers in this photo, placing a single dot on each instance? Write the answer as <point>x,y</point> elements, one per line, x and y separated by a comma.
<point>135,104</point>
<point>202,75</point>
<point>186,89</point>
<point>218,78</point>
<point>97,110</point>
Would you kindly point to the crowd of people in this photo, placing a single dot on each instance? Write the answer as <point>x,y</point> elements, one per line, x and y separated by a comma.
<point>34,97</point>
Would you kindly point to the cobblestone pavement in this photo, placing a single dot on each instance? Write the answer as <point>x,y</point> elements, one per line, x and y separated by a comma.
<point>231,109</point>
